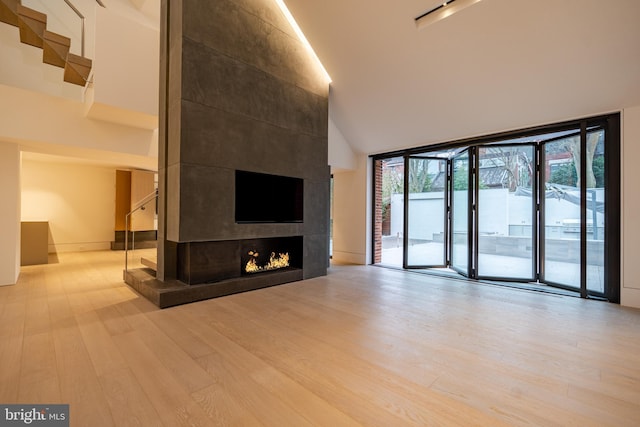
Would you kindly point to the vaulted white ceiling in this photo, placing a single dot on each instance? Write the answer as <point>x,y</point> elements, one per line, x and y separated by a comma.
<point>495,66</point>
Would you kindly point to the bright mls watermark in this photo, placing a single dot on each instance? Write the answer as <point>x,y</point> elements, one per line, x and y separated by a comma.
<point>34,415</point>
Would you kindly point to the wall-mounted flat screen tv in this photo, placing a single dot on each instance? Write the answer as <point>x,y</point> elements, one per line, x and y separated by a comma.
<point>265,198</point>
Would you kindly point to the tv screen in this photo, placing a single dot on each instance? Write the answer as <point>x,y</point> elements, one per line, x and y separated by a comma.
<point>268,198</point>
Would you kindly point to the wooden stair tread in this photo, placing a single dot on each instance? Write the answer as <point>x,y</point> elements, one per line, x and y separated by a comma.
<point>55,49</point>
<point>32,25</point>
<point>31,13</point>
<point>8,12</point>
<point>56,38</point>
<point>79,60</point>
<point>77,69</point>
<point>33,31</point>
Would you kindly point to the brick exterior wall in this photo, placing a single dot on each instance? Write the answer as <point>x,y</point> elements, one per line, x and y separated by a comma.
<point>377,228</point>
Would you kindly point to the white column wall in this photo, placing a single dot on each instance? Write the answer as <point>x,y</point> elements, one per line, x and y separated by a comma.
<point>630,286</point>
<point>126,81</point>
<point>351,215</point>
<point>9,213</point>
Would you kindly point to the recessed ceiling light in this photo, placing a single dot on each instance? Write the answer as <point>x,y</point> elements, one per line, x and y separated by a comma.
<point>446,9</point>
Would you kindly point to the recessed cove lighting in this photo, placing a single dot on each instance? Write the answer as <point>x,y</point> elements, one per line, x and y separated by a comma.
<point>303,39</point>
<point>442,11</point>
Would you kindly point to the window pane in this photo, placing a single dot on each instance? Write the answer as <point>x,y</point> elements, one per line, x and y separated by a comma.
<point>505,212</point>
<point>427,186</point>
<point>595,211</point>
<point>562,212</point>
<point>459,213</point>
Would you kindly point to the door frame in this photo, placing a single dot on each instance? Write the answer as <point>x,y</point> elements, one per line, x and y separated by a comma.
<point>534,215</point>
<point>405,231</point>
<point>470,152</point>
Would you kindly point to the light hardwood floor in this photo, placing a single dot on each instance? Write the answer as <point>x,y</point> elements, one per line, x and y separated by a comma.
<point>362,346</point>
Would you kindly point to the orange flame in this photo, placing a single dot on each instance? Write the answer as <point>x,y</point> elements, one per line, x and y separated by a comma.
<point>275,262</point>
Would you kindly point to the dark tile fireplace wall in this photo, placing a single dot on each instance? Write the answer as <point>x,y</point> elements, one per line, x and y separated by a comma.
<point>240,92</point>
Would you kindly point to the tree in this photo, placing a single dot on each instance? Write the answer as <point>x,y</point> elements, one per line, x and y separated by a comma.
<point>419,180</point>
<point>564,174</point>
<point>598,171</point>
<point>515,162</point>
<point>572,145</point>
<point>461,179</point>
<point>392,183</point>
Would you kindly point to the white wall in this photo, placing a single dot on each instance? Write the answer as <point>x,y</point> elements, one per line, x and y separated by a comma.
<point>77,199</point>
<point>349,201</point>
<point>126,63</point>
<point>500,210</point>
<point>54,125</point>
<point>341,156</point>
<point>9,213</point>
<point>351,219</point>
<point>630,289</point>
<point>125,72</point>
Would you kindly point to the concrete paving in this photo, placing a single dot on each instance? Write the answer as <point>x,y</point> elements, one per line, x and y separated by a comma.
<point>497,266</point>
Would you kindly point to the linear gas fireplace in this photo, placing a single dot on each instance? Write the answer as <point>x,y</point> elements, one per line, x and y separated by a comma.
<point>271,254</point>
<point>210,262</point>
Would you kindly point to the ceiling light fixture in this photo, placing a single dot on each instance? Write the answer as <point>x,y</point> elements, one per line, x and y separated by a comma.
<point>303,39</point>
<point>446,9</point>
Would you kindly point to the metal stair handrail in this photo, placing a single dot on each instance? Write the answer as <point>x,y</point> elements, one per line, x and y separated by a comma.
<point>141,205</point>
<point>81,16</point>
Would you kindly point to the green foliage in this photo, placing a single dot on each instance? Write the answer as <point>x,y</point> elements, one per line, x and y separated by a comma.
<point>460,179</point>
<point>598,171</point>
<point>564,174</point>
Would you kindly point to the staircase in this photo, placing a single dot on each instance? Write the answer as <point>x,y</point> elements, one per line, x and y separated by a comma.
<point>55,47</point>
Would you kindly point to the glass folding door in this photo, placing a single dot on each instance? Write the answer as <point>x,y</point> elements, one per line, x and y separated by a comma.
<point>538,206</point>
<point>595,206</point>
<point>561,212</point>
<point>506,212</point>
<point>461,218</point>
<point>573,202</point>
<point>426,208</point>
